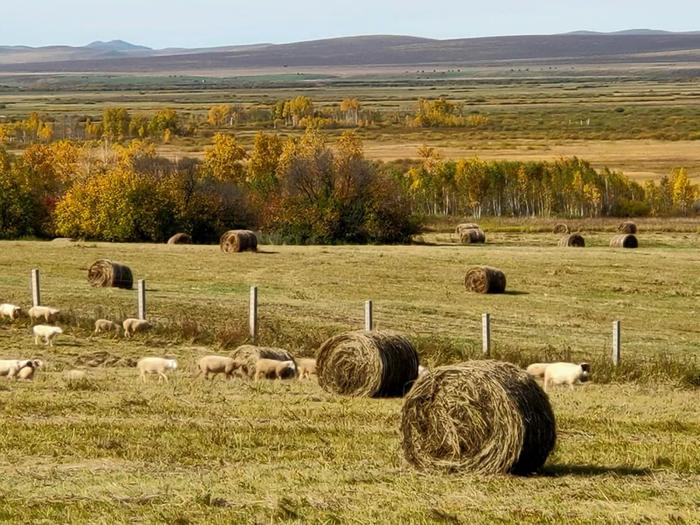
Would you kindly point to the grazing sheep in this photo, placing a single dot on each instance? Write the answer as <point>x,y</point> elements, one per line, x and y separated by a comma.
<point>105,325</point>
<point>11,367</point>
<point>132,326</point>
<point>306,368</point>
<point>156,365</point>
<point>48,314</point>
<point>216,364</point>
<point>75,375</point>
<point>10,310</point>
<point>27,373</point>
<point>566,374</point>
<point>48,333</point>
<point>273,369</point>
<point>537,369</point>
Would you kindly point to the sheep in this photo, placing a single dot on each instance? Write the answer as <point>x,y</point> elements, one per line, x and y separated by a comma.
<point>566,374</point>
<point>27,373</point>
<point>537,369</point>
<point>216,364</point>
<point>273,369</point>
<point>156,365</point>
<point>10,310</point>
<point>48,333</point>
<point>48,314</point>
<point>306,368</point>
<point>133,325</point>
<point>75,375</point>
<point>104,325</point>
<point>12,367</point>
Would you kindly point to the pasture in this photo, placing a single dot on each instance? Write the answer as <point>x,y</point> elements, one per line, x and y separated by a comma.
<point>114,450</point>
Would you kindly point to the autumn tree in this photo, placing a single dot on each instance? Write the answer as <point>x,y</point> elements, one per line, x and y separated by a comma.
<point>351,108</point>
<point>262,165</point>
<point>224,160</point>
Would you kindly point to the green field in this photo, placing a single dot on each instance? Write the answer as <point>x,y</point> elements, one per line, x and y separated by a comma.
<point>114,450</point>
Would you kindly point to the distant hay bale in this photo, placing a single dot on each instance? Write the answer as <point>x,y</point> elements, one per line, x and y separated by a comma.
<point>234,241</point>
<point>472,236</point>
<point>624,241</point>
<point>486,417</point>
<point>485,279</point>
<point>105,273</point>
<point>574,240</point>
<point>465,226</point>
<point>249,354</point>
<point>561,228</point>
<point>367,364</point>
<point>180,238</point>
<point>627,227</point>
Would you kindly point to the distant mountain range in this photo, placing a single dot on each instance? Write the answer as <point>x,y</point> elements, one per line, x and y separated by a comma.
<point>638,45</point>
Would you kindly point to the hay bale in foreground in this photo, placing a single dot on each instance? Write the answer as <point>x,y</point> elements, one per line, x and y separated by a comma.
<point>485,279</point>
<point>105,273</point>
<point>472,236</point>
<point>561,228</point>
<point>624,241</point>
<point>574,240</point>
<point>234,241</point>
<point>466,226</point>
<point>486,417</point>
<point>627,227</point>
<point>249,354</point>
<point>367,364</point>
<point>180,238</point>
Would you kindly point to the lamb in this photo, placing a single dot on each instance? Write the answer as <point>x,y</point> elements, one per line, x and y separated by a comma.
<point>133,325</point>
<point>273,369</point>
<point>48,314</point>
<point>11,367</point>
<point>216,364</point>
<point>156,365</point>
<point>10,310</point>
<point>48,333</point>
<point>104,325</point>
<point>537,369</point>
<point>306,368</point>
<point>27,373</point>
<point>566,374</point>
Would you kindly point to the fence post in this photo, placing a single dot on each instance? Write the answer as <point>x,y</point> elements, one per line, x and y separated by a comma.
<point>369,322</point>
<point>616,343</point>
<point>253,321</point>
<point>142,299</point>
<point>36,292</point>
<point>486,334</point>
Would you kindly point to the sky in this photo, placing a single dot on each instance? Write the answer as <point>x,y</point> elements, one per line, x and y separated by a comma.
<point>205,23</point>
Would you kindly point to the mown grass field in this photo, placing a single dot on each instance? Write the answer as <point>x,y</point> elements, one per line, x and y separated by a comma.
<point>114,450</point>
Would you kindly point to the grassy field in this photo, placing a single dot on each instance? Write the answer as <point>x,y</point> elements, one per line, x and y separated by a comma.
<point>113,450</point>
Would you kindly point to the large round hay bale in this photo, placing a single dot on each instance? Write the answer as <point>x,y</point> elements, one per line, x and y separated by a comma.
<point>234,241</point>
<point>485,279</point>
<point>367,364</point>
<point>561,228</point>
<point>472,236</point>
<point>465,226</point>
<point>574,240</point>
<point>180,238</point>
<point>624,241</point>
<point>105,273</point>
<point>627,227</point>
<point>486,417</point>
<point>249,354</point>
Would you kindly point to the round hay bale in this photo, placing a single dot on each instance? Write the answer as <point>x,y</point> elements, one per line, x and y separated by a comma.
<point>234,241</point>
<point>465,226</point>
<point>249,354</point>
<point>367,364</point>
<point>180,238</point>
<point>105,273</point>
<point>472,236</point>
<point>485,279</point>
<point>574,240</point>
<point>624,241</point>
<point>561,228</point>
<point>627,227</point>
<point>486,417</point>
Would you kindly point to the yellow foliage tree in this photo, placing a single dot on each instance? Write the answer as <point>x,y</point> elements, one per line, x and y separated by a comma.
<point>224,160</point>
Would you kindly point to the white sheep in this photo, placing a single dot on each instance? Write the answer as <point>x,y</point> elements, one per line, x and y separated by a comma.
<point>105,325</point>
<point>48,333</point>
<point>565,374</point>
<point>273,369</point>
<point>48,314</point>
<point>133,325</point>
<point>10,310</point>
<point>306,367</point>
<point>75,375</point>
<point>217,364</point>
<point>537,369</point>
<point>156,365</point>
<point>11,367</point>
<point>27,373</point>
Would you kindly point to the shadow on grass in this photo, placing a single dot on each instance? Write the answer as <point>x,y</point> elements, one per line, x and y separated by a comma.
<point>515,292</point>
<point>265,252</point>
<point>592,470</point>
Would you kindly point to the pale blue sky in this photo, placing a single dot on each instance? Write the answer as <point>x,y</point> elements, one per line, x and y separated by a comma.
<point>199,23</point>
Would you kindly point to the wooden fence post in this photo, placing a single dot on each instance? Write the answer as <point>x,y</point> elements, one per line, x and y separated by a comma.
<point>36,292</point>
<point>486,334</point>
<point>142,299</point>
<point>369,322</point>
<point>616,343</point>
<point>253,321</point>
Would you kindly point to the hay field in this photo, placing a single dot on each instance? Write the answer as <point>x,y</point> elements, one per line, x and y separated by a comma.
<point>117,451</point>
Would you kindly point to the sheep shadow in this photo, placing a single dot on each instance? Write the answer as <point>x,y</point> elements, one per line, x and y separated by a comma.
<point>556,471</point>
